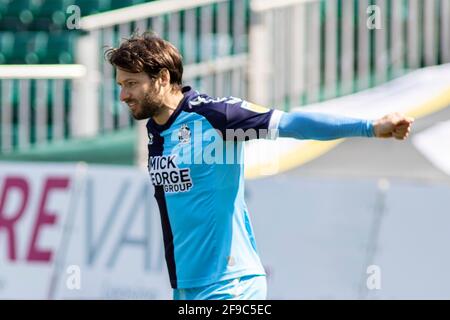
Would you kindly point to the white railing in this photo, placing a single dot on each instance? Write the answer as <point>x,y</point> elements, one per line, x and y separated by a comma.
<point>35,104</point>
<point>302,51</point>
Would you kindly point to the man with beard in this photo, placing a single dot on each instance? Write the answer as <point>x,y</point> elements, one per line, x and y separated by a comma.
<point>210,246</point>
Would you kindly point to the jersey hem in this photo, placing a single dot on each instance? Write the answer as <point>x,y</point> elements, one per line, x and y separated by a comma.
<point>188,284</point>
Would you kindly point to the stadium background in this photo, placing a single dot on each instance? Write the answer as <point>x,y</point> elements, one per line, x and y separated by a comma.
<point>73,192</point>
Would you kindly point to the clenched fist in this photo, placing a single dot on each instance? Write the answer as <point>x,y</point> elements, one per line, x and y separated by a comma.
<point>393,125</point>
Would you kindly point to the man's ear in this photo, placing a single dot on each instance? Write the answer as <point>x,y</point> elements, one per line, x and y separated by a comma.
<point>164,75</point>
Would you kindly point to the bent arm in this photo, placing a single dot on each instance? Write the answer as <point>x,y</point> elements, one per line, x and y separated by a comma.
<point>319,126</point>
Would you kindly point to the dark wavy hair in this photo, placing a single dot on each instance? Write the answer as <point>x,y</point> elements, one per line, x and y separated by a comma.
<point>148,53</point>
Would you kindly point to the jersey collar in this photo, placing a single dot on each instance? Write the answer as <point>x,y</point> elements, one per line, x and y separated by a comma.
<point>187,92</point>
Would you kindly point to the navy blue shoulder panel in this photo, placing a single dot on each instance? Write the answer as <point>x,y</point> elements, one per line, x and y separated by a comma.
<point>227,115</point>
<point>231,114</point>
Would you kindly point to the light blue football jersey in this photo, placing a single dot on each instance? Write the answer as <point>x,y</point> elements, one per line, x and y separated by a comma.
<point>198,175</point>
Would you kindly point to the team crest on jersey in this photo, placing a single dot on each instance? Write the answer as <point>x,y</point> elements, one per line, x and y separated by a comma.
<point>184,135</point>
<point>150,138</point>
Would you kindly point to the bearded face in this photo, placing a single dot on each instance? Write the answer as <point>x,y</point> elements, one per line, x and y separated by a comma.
<point>140,93</point>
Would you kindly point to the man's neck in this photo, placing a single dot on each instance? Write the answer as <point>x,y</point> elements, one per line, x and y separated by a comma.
<point>170,104</point>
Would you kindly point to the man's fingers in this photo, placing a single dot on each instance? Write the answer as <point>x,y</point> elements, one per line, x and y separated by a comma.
<point>402,121</point>
<point>402,128</point>
<point>401,133</point>
<point>403,125</point>
<point>398,118</point>
<point>394,125</point>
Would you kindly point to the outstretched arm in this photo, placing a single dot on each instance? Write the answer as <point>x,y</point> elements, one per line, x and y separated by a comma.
<point>320,126</point>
